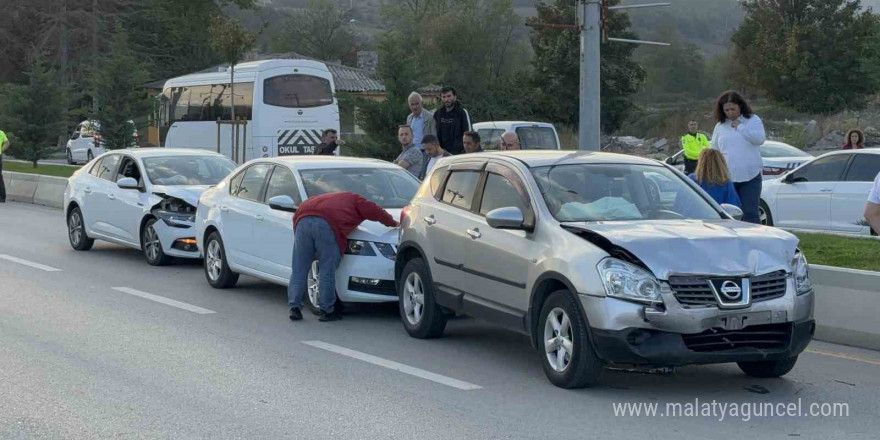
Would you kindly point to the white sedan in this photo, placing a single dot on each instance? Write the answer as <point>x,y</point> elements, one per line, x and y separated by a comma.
<point>244,225</point>
<point>778,157</point>
<point>141,198</point>
<point>826,194</point>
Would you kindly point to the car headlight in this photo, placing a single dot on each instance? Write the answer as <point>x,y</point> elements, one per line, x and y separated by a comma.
<point>801,273</point>
<point>176,219</point>
<point>387,250</point>
<point>359,247</point>
<point>627,281</point>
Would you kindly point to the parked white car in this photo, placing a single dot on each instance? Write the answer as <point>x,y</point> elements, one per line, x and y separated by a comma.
<point>85,143</point>
<point>532,135</point>
<point>826,194</point>
<point>778,157</point>
<point>142,198</point>
<point>244,225</point>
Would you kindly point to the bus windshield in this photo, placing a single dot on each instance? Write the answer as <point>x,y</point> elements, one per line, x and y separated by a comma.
<point>297,91</point>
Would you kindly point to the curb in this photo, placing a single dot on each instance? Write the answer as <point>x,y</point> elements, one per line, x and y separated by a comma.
<point>35,189</point>
<point>846,306</point>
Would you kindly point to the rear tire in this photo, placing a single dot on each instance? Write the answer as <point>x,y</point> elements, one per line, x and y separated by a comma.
<point>69,157</point>
<point>217,270</point>
<point>764,214</point>
<point>776,368</point>
<point>421,316</point>
<point>151,245</point>
<point>76,231</point>
<point>564,343</point>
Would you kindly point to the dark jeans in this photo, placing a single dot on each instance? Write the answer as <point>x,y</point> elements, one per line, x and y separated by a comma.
<point>2,185</point>
<point>690,166</point>
<point>749,193</point>
<point>313,235</point>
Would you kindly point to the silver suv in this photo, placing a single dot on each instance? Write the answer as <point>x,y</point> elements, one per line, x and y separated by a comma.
<point>603,260</point>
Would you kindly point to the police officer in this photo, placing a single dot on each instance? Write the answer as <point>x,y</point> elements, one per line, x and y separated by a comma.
<point>693,142</point>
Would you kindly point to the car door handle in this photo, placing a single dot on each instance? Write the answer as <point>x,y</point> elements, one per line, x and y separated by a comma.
<point>259,217</point>
<point>111,196</point>
<point>430,220</point>
<point>474,233</point>
<point>224,209</point>
<point>826,190</point>
<point>87,190</point>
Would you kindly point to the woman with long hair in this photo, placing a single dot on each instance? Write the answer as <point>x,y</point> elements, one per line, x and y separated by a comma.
<point>738,135</point>
<point>854,140</point>
<point>712,175</point>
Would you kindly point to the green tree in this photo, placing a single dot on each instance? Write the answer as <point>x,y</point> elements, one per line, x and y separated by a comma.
<point>557,66</point>
<point>232,43</point>
<point>36,115</point>
<point>811,55</point>
<point>676,71</point>
<point>118,98</point>
<point>321,31</point>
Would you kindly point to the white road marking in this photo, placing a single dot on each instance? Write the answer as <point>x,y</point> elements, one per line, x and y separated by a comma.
<point>163,300</point>
<point>28,263</point>
<point>412,371</point>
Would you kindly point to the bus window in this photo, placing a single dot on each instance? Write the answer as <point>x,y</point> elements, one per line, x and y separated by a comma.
<point>199,104</point>
<point>221,103</point>
<point>179,104</point>
<point>297,91</point>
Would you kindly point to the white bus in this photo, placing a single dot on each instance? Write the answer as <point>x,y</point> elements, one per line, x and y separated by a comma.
<point>287,103</point>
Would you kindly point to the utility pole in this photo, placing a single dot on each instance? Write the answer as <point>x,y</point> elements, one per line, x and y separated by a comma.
<point>590,22</point>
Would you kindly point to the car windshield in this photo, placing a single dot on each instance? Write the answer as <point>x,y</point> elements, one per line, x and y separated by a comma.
<point>781,150</point>
<point>537,138</point>
<point>609,192</point>
<point>388,188</point>
<point>187,170</point>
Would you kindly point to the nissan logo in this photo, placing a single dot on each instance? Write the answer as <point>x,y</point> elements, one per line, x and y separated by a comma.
<point>300,112</point>
<point>730,290</point>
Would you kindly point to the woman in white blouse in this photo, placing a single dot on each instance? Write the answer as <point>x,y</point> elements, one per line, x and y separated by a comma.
<point>738,135</point>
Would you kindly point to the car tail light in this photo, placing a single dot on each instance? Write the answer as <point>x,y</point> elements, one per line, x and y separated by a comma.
<point>403,213</point>
<point>774,171</point>
<point>98,140</point>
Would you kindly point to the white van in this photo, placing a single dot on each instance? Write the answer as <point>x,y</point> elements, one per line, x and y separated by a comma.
<point>532,135</point>
<point>287,103</point>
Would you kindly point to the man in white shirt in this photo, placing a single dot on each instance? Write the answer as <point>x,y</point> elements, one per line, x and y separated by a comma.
<point>421,120</point>
<point>872,208</point>
<point>433,152</point>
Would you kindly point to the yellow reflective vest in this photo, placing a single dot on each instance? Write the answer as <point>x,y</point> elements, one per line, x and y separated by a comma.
<point>693,145</point>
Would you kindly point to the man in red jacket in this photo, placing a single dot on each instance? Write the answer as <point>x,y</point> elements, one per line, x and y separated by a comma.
<point>321,226</point>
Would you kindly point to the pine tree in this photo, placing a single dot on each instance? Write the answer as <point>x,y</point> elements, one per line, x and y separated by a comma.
<point>36,113</point>
<point>115,85</point>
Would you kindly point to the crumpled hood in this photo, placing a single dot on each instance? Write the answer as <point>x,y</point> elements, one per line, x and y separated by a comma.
<point>375,231</point>
<point>700,247</point>
<point>188,193</point>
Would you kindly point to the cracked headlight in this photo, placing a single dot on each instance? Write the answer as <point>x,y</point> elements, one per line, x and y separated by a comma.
<point>801,273</point>
<point>176,219</point>
<point>386,250</point>
<point>627,281</point>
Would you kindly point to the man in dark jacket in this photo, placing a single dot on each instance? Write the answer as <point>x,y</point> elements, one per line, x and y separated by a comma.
<point>321,226</point>
<point>329,142</point>
<point>452,121</point>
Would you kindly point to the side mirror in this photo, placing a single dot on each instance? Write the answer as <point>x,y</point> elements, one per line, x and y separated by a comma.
<point>733,211</point>
<point>506,218</point>
<point>282,203</point>
<point>128,183</point>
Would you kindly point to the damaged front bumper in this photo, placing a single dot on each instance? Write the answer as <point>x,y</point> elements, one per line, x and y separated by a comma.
<point>674,334</point>
<point>177,241</point>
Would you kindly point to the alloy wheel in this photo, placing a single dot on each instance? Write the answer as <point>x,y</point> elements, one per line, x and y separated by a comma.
<point>214,260</point>
<point>414,298</point>
<point>558,342</point>
<point>151,242</point>
<point>75,228</point>
<point>314,284</point>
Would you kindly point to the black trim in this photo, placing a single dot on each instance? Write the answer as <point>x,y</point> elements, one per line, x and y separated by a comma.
<point>535,309</point>
<point>481,308</point>
<point>462,268</point>
<point>385,287</point>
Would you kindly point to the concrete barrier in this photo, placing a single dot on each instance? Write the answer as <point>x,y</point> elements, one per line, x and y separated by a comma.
<point>50,191</point>
<point>20,187</point>
<point>847,306</point>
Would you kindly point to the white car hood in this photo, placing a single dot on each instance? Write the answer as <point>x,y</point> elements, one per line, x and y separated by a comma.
<point>700,247</point>
<point>375,231</point>
<point>188,193</point>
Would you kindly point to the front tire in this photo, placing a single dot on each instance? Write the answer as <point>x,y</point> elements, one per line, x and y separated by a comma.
<point>313,286</point>
<point>217,270</point>
<point>565,347</point>
<point>765,215</point>
<point>776,368</point>
<point>151,245</point>
<point>76,231</point>
<point>421,316</point>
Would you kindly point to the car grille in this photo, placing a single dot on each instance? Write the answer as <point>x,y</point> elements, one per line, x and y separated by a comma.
<point>768,286</point>
<point>767,336</point>
<point>692,291</point>
<point>696,291</point>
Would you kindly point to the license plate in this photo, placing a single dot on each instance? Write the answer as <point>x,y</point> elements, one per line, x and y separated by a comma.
<point>743,320</point>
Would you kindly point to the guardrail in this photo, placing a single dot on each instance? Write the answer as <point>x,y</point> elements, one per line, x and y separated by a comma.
<point>35,188</point>
<point>847,300</point>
